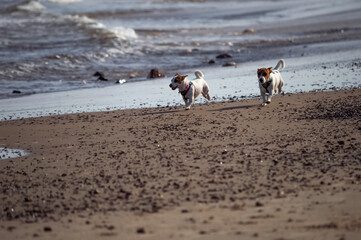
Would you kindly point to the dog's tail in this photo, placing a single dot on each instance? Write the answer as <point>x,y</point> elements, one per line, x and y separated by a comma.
<point>198,74</point>
<point>280,65</point>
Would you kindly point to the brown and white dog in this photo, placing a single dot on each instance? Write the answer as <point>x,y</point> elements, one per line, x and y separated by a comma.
<point>270,80</point>
<point>190,90</point>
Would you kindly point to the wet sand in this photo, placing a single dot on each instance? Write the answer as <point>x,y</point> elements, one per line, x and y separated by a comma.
<point>230,170</point>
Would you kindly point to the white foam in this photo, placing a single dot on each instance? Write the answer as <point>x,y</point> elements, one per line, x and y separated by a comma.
<point>31,6</point>
<point>63,1</point>
<point>124,33</point>
<point>120,32</point>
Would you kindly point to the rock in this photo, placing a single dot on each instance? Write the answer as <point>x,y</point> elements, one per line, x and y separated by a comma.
<point>155,73</point>
<point>211,61</point>
<point>249,31</point>
<point>224,55</point>
<point>100,76</point>
<point>133,75</point>
<point>141,230</point>
<point>47,229</point>
<point>229,64</point>
<point>259,204</point>
<point>17,92</point>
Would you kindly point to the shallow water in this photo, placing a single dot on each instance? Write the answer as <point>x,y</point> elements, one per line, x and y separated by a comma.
<point>56,45</point>
<point>7,153</point>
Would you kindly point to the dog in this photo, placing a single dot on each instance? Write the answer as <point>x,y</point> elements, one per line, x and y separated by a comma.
<point>190,90</point>
<point>270,80</point>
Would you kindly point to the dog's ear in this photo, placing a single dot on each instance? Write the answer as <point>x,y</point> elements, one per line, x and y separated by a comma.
<point>184,77</point>
<point>259,71</point>
<point>270,69</point>
<point>177,74</point>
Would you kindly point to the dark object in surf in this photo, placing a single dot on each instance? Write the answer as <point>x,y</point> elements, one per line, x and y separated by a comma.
<point>100,76</point>
<point>249,31</point>
<point>16,92</point>
<point>211,61</point>
<point>224,55</point>
<point>155,73</point>
<point>229,64</point>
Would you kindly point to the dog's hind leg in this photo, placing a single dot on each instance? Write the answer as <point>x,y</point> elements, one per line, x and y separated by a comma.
<point>280,86</point>
<point>206,95</point>
<point>205,92</point>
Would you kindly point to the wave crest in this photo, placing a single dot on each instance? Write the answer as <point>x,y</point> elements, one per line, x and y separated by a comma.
<point>31,6</point>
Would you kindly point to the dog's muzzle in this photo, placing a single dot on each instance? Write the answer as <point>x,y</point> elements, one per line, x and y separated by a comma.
<point>171,86</point>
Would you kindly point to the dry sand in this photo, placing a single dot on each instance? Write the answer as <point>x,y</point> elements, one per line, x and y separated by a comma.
<point>232,170</point>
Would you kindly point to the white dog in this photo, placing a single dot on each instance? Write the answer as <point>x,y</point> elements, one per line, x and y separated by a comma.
<point>190,90</point>
<point>270,80</point>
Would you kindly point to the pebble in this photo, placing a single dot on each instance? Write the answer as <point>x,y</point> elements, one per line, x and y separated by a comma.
<point>141,230</point>
<point>47,229</point>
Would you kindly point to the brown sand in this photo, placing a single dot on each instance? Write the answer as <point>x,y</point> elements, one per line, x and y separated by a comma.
<point>233,170</point>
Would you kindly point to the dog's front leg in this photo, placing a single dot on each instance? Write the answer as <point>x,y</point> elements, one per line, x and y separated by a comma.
<point>263,94</point>
<point>185,100</point>
<point>189,103</point>
<point>270,95</point>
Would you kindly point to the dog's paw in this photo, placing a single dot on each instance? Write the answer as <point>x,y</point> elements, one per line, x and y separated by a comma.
<point>187,108</point>
<point>264,104</point>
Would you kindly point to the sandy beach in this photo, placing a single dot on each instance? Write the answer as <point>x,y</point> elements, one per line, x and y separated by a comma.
<point>230,170</point>
<point>88,159</point>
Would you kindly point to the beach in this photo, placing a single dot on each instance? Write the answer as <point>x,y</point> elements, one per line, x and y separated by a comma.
<point>228,170</point>
<point>87,159</point>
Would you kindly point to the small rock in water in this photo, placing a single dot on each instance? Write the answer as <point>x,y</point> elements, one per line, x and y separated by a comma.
<point>155,73</point>
<point>224,55</point>
<point>100,76</point>
<point>133,75</point>
<point>229,64</point>
<point>249,31</point>
<point>17,92</point>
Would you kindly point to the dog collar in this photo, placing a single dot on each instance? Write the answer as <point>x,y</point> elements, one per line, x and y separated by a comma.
<point>185,91</point>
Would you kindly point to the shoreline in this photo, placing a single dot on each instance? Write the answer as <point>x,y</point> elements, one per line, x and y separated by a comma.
<point>302,74</point>
<point>226,169</point>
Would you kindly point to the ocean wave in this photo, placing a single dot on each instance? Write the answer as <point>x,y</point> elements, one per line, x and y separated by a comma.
<point>124,33</point>
<point>63,1</point>
<point>31,6</point>
<point>36,13</point>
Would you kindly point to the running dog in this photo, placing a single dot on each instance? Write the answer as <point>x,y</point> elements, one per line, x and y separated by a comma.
<point>190,90</point>
<point>270,80</point>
